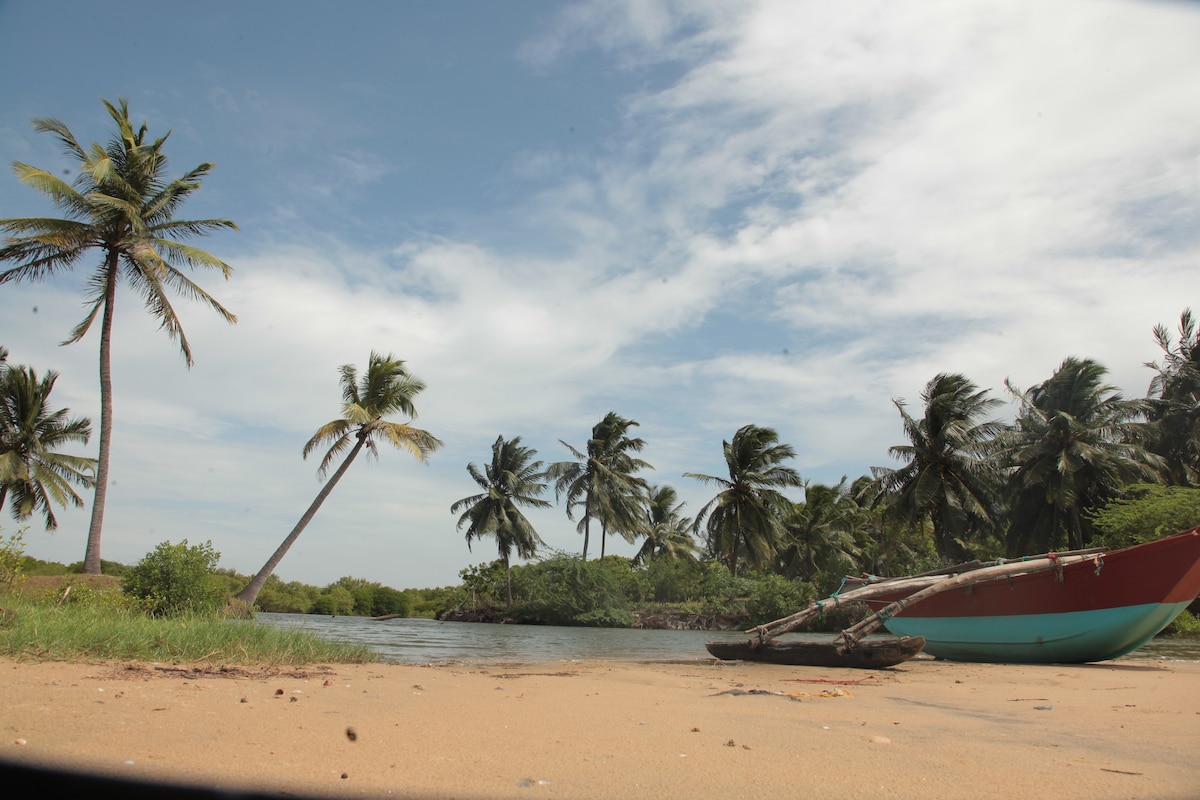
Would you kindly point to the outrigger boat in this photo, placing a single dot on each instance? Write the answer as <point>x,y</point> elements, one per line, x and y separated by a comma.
<point>1101,607</point>
<point>1082,606</point>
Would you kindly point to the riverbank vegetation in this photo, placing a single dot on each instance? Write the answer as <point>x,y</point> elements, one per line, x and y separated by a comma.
<point>170,607</point>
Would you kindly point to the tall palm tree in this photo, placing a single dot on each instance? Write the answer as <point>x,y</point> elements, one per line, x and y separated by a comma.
<point>386,388</point>
<point>33,476</point>
<point>1174,398</point>
<point>123,205</point>
<point>1075,445</point>
<point>747,512</point>
<point>949,479</point>
<point>603,480</point>
<point>668,532</point>
<point>820,532</point>
<point>512,479</point>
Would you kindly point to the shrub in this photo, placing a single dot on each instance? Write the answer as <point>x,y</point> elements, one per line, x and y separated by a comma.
<point>1185,626</point>
<point>566,590</point>
<point>775,597</point>
<point>1147,512</point>
<point>335,601</point>
<point>12,560</point>
<point>176,579</point>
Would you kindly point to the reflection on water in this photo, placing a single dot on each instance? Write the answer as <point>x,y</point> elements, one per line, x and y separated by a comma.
<point>424,641</point>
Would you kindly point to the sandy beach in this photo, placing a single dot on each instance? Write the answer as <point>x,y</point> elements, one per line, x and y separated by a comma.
<point>597,729</point>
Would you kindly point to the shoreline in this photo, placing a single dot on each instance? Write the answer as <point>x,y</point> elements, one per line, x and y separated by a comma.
<point>567,729</point>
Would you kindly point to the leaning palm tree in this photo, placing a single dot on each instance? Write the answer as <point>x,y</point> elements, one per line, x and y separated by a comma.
<point>950,479</point>
<point>33,475</point>
<point>1174,399</point>
<point>123,205</point>
<point>602,479</point>
<point>668,532</point>
<point>512,479</point>
<point>747,513</point>
<point>386,388</point>
<point>1076,443</point>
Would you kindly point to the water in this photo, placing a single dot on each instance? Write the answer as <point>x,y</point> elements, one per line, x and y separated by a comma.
<point>425,641</point>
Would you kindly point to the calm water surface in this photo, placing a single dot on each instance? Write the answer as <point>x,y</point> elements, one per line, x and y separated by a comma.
<point>424,641</point>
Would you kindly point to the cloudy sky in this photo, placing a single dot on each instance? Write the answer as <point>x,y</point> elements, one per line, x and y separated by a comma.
<point>696,214</point>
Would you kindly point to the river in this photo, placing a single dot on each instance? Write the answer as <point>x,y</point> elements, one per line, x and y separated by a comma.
<point>425,641</point>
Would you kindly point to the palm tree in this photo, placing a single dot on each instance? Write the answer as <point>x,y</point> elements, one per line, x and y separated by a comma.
<point>123,205</point>
<point>1174,398</point>
<point>33,475</point>
<point>512,479</point>
<point>386,388</point>
<point>747,513</point>
<point>668,532</point>
<point>820,532</point>
<point>603,481</point>
<point>949,479</point>
<point>1075,445</point>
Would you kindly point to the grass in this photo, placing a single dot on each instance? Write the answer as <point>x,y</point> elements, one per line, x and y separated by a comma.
<point>102,625</point>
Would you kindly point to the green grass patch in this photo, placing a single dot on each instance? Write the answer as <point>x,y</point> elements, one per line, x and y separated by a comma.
<point>32,630</point>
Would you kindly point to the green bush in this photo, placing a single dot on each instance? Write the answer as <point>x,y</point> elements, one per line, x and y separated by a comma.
<point>1185,626</point>
<point>335,601</point>
<point>1147,512</point>
<point>175,579</point>
<point>566,590</point>
<point>775,597</point>
<point>12,560</point>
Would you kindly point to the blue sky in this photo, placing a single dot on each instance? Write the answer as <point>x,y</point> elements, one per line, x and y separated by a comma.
<point>697,214</point>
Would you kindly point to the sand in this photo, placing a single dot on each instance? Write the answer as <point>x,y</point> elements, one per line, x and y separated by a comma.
<point>925,729</point>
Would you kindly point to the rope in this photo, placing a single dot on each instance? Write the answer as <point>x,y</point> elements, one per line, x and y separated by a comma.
<point>883,615</point>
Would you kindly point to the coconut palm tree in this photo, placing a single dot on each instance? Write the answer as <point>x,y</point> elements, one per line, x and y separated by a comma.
<point>386,388</point>
<point>123,205</point>
<point>513,479</point>
<point>949,478</point>
<point>1174,398</point>
<point>603,481</point>
<point>1075,445</point>
<point>668,532</point>
<point>33,475</point>
<point>821,532</point>
<point>747,513</point>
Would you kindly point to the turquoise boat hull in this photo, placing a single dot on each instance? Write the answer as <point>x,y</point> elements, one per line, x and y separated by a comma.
<point>1073,637</point>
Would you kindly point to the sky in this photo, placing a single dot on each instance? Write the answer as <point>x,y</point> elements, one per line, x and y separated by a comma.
<point>699,215</point>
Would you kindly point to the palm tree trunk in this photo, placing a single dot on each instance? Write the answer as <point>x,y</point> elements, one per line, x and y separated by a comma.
<point>603,538</point>
<point>508,579</point>
<point>91,558</point>
<point>250,593</point>
<point>1076,531</point>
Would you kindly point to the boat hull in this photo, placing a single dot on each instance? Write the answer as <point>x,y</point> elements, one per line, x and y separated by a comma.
<point>1094,610</point>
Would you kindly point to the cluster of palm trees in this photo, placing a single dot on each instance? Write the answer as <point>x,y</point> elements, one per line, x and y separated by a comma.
<point>969,484</point>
